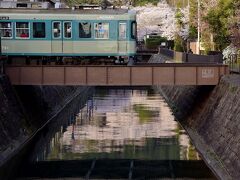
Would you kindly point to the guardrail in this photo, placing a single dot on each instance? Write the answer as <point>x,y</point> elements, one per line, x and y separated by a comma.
<point>183,57</point>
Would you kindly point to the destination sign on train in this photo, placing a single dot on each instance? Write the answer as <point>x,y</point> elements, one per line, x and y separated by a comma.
<point>4,17</point>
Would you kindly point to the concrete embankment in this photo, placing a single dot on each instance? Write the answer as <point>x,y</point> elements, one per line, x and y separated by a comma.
<point>211,115</point>
<point>23,110</point>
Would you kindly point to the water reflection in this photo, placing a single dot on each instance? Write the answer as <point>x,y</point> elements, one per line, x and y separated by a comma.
<point>127,124</point>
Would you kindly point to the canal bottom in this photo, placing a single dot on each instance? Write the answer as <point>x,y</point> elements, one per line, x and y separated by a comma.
<point>117,134</point>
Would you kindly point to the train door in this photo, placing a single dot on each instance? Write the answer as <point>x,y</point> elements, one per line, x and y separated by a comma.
<point>67,37</point>
<point>62,37</point>
<point>122,37</point>
<point>57,41</point>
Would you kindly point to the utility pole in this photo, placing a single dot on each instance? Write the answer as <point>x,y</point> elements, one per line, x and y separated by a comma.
<point>198,38</point>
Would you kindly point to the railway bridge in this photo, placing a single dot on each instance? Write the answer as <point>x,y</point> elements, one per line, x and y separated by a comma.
<point>117,75</point>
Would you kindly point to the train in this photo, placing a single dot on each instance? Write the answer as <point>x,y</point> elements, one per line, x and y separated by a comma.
<point>58,33</point>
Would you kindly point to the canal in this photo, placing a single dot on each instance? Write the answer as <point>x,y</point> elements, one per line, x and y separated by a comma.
<point>116,134</point>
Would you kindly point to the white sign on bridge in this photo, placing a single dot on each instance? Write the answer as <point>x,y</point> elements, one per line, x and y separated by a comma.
<point>207,73</point>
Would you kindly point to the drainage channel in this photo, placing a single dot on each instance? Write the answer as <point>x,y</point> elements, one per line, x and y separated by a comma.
<point>118,134</point>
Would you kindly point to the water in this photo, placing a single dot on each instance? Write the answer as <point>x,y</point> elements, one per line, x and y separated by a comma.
<point>121,124</point>
<point>117,134</point>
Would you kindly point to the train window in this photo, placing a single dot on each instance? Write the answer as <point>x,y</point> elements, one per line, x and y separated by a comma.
<point>6,30</point>
<point>85,30</point>
<point>67,30</point>
<point>39,30</point>
<point>134,30</point>
<point>22,5</point>
<point>101,30</point>
<point>56,30</point>
<point>22,30</point>
<point>122,31</point>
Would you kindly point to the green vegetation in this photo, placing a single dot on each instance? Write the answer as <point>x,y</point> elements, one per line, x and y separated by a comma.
<point>179,44</point>
<point>175,3</point>
<point>192,153</point>
<point>192,19</point>
<point>144,2</point>
<point>233,88</point>
<point>79,2</point>
<point>192,32</point>
<point>154,41</point>
<point>219,23</point>
<point>219,19</point>
<point>144,114</point>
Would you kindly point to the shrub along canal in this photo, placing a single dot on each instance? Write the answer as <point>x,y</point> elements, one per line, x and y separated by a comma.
<point>119,134</point>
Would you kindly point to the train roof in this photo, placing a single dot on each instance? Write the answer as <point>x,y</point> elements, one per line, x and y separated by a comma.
<point>65,11</point>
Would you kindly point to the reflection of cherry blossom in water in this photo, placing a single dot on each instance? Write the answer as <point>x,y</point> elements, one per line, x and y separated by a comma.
<point>122,124</point>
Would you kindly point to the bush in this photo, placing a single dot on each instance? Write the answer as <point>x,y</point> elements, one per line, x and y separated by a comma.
<point>178,44</point>
<point>154,42</point>
<point>144,2</point>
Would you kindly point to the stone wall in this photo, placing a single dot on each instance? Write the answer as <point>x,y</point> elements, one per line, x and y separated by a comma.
<point>12,120</point>
<point>25,109</point>
<point>212,118</point>
<point>42,102</point>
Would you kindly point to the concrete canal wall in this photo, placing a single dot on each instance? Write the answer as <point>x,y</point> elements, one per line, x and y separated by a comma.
<point>211,115</point>
<point>13,123</point>
<point>23,110</point>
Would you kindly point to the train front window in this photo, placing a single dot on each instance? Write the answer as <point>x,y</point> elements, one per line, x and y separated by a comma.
<point>122,31</point>
<point>56,30</point>
<point>67,30</point>
<point>6,30</point>
<point>101,30</point>
<point>134,30</point>
<point>39,30</point>
<point>85,30</point>
<point>22,30</point>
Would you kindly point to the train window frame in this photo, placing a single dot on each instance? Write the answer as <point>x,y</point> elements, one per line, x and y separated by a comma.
<point>60,28</point>
<point>134,30</point>
<point>90,30</point>
<point>33,32</point>
<point>95,30</point>
<point>29,32</point>
<point>125,33</point>
<point>64,30</point>
<point>11,30</point>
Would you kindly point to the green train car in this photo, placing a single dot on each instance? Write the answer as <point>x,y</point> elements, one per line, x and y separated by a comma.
<point>68,33</point>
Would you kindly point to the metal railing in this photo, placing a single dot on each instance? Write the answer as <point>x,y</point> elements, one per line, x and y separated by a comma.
<point>234,63</point>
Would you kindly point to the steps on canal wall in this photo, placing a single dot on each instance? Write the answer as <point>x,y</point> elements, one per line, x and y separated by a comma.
<point>23,110</point>
<point>212,118</point>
